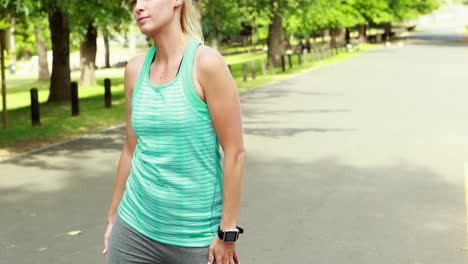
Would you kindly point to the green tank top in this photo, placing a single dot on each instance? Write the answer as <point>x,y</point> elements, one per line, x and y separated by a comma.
<point>174,191</point>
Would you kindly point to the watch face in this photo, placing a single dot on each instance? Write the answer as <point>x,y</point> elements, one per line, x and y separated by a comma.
<point>230,236</point>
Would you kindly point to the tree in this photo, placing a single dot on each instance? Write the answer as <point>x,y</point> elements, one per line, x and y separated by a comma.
<point>8,11</point>
<point>87,18</point>
<point>220,18</point>
<point>375,11</point>
<point>407,9</point>
<point>277,11</point>
<point>66,16</point>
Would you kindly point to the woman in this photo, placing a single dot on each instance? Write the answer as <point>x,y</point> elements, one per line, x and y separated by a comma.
<point>174,201</point>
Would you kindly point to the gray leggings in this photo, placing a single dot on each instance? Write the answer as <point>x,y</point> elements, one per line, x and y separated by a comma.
<point>126,245</point>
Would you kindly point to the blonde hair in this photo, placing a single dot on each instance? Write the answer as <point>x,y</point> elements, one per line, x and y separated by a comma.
<point>190,20</point>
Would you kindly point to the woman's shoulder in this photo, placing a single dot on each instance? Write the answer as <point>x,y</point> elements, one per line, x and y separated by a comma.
<point>208,59</point>
<point>135,63</point>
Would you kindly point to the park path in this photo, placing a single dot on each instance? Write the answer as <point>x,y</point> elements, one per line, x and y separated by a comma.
<point>359,161</point>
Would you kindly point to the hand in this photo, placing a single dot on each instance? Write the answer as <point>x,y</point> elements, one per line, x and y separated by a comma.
<point>106,237</point>
<point>222,252</point>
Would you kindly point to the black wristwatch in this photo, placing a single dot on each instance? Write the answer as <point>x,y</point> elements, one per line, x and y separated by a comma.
<point>230,235</point>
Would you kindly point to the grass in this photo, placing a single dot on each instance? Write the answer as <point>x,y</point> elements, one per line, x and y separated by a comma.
<point>58,125</point>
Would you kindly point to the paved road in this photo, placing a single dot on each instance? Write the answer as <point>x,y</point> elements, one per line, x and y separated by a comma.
<point>356,162</point>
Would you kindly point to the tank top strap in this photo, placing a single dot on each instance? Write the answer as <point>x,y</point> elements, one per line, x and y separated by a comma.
<point>187,71</point>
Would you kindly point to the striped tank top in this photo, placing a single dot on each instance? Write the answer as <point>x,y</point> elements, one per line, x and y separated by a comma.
<point>174,191</point>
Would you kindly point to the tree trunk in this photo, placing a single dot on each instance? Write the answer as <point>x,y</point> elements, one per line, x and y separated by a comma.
<point>325,33</point>
<point>88,57</point>
<point>107,51</point>
<point>275,37</point>
<point>362,33</point>
<point>332,38</point>
<point>388,30</point>
<point>348,36</point>
<point>41,46</point>
<point>60,34</point>
<point>338,36</point>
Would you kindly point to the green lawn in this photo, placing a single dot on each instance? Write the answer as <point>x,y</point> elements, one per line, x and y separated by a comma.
<point>58,124</point>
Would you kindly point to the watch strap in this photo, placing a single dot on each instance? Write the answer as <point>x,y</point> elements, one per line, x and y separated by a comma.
<point>221,232</point>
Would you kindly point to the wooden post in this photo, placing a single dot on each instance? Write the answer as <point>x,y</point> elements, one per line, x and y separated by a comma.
<point>2,70</point>
<point>272,67</point>
<point>290,61</point>
<point>253,69</point>
<point>74,99</point>
<point>283,64</point>
<point>107,93</point>
<point>244,71</point>
<point>35,115</point>
<point>305,56</point>
<point>262,64</point>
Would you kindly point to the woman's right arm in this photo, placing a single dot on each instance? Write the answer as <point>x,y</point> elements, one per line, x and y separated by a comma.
<point>123,169</point>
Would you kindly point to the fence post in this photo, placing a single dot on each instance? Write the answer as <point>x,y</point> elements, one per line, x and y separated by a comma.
<point>253,69</point>
<point>107,93</point>
<point>290,61</point>
<point>305,56</point>
<point>262,64</point>
<point>244,71</point>
<point>74,99</point>
<point>35,115</point>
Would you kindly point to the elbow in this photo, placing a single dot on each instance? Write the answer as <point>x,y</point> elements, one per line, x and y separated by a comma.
<point>241,155</point>
<point>238,155</point>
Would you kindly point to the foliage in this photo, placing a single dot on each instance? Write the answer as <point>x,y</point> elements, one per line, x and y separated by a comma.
<point>409,9</point>
<point>222,17</point>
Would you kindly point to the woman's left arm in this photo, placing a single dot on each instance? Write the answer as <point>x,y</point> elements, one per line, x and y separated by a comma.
<point>223,102</point>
